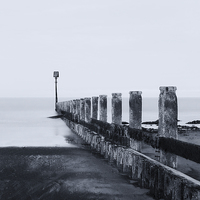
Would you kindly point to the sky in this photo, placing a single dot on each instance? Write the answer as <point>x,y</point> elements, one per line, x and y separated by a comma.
<point>99,47</point>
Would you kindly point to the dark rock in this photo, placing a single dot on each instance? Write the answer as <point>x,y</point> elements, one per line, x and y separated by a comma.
<point>55,117</point>
<point>182,129</point>
<point>125,123</point>
<point>194,122</point>
<point>151,122</point>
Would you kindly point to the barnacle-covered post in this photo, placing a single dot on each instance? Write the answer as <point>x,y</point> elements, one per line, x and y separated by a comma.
<point>82,109</point>
<point>103,108</point>
<point>135,109</point>
<point>95,107</point>
<point>168,112</point>
<point>168,117</point>
<point>117,108</point>
<point>87,109</point>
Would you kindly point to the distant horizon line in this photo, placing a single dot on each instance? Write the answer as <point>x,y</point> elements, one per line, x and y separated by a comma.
<point>75,97</point>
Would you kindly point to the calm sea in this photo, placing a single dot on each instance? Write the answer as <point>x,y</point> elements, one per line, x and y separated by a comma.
<point>188,109</point>
<point>25,122</point>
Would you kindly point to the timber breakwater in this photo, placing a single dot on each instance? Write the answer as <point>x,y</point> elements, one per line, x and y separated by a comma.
<point>121,143</point>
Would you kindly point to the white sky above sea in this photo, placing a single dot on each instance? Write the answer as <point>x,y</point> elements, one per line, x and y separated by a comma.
<point>99,47</point>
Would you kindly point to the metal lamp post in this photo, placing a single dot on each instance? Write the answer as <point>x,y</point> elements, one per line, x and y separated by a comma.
<point>56,75</point>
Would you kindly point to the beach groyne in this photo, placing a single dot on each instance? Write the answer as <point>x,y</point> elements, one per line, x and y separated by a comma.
<point>119,143</point>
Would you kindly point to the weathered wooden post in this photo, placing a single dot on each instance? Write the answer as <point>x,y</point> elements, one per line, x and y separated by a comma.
<point>87,109</point>
<point>56,75</point>
<point>74,106</point>
<point>68,106</point>
<point>103,108</point>
<point>82,109</point>
<point>135,116</point>
<point>168,115</point>
<point>71,106</point>
<point>73,109</point>
<point>117,108</point>
<point>77,110</point>
<point>95,107</point>
<point>135,109</point>
<point>168,112</point>
<point>78,107</point>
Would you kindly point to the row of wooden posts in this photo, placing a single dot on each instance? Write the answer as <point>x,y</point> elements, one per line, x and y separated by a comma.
<point>124,150</point>
<point>87,108</point>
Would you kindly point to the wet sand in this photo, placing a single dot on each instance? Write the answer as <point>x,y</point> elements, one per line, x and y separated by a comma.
<point>183,165</point>
<point>62,173</point>
<point>190,136</point>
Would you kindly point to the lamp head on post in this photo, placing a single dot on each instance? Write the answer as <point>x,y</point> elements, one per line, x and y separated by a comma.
<point>56,74</point>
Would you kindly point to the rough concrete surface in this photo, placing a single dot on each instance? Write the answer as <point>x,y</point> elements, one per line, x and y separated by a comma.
<point>62,173</point>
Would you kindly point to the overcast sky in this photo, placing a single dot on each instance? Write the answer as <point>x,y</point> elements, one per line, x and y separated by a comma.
<point>99,47</point>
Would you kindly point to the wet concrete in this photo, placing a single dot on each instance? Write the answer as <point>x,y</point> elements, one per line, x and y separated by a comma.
<point>62,173</point>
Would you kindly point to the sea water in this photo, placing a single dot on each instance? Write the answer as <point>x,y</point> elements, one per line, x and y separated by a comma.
<point>188,110</point>
<point>25,122</point>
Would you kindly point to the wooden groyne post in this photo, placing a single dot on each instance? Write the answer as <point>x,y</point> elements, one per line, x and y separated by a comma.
<point>117,108</point>
<point>82,109</point>
<point>168,117</point>
<point>95,107</point>
<point>103,108</point>
<point>168,112</point>
<point>87,109</point>
<point>135,109</point>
